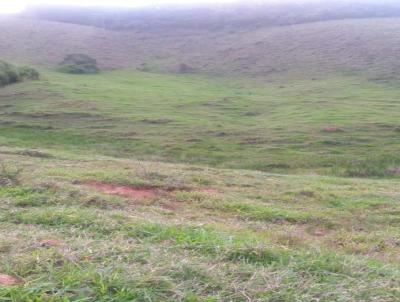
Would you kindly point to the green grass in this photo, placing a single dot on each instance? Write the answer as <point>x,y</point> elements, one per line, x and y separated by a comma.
<point>262,237</point>
<point>228,123</point>
<point>315,233</point>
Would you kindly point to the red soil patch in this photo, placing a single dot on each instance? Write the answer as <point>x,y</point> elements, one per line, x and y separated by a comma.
<point>7,280</point>
<point>138,194</point>
<point>49,243</point>
<point>332,129</point>
<point>319,233</point>
<point>125,191</point>
<point>208,190</point>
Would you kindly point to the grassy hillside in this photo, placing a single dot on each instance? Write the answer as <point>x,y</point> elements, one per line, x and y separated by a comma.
<point>368,48</point>
<point>267,172</point>
<point>338,125</point>
<point>106,229</point>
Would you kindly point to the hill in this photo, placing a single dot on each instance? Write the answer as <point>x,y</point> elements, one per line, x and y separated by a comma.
<point>304,50</point>
<point>340,125</point>
<point>126,230</point>
<point>201,164</point>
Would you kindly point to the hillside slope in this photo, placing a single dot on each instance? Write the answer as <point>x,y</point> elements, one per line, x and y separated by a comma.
<point>142,186</point>
<point>366,46</point>
<point>104,229</point>
<point>209,120</point>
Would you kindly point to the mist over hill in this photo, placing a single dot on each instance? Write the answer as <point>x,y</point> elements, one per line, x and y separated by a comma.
<point>307,39</point>
<point>244,15</point>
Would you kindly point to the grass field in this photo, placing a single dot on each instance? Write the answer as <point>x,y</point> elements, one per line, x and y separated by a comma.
<point>133,186</point>
<point>206,235</point>
<point>268,172</point>
<point>338,125</point>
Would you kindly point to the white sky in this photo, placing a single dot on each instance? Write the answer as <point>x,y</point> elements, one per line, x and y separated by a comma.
<point>15,6</point>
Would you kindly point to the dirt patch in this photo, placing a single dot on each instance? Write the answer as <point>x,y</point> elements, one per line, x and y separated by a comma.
<point>159,121</point>
<point>35,153</point>
<point>49,243</point>
<point>125,191</point>
<point>319,233</point>
<point>211,191</point>
<point>332,130</point>
<point>140,193</point>
<point>7,280</point>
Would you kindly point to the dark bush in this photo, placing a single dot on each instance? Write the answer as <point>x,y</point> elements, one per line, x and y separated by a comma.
<point>79,64</point>
<point>28,73</point>
<point>185,68</point>
<point>9,74</point>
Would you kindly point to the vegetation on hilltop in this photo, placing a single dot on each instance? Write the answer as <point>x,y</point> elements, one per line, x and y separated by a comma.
<point>9,74</point>
<point>79,64</point>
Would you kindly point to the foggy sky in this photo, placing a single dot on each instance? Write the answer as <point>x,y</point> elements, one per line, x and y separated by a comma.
<point>15,6</point>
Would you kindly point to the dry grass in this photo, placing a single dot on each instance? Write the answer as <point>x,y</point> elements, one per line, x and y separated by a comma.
<point>315,49</point>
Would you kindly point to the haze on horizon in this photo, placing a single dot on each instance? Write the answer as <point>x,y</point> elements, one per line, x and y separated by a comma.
<point>19,5</point>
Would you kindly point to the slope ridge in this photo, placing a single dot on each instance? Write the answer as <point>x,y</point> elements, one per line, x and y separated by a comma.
<point>370,46</point>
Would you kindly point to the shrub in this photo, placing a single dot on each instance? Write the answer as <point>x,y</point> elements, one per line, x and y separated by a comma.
<point>79,64</point>
<point>9,176</point>
<point>185,68</point>
<point>28,73</point>
<point>9,74</point>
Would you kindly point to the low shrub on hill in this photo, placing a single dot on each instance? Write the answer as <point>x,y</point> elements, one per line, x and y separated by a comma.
<point>79,64</point>
<point>28,73</point>
<point>185,68</point>
<point>10,74</point>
